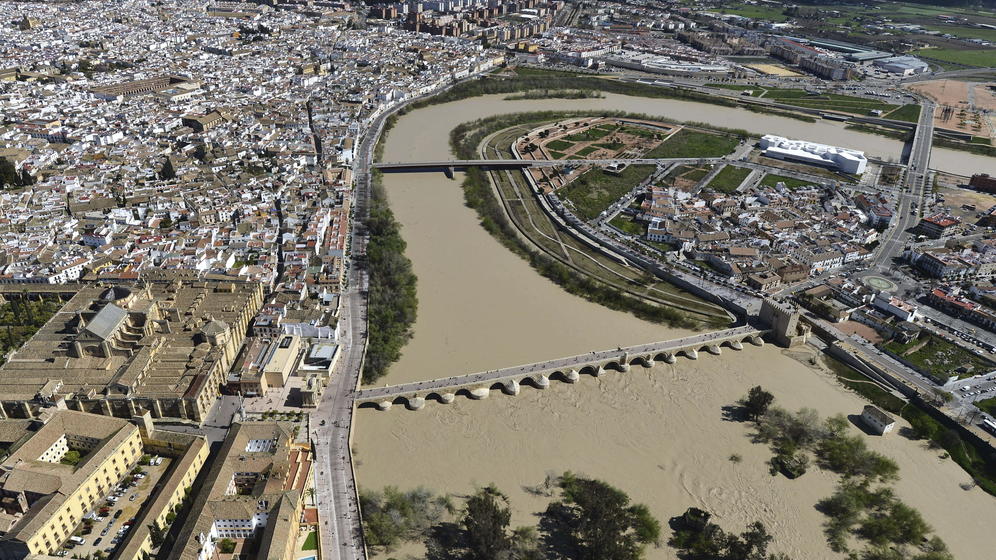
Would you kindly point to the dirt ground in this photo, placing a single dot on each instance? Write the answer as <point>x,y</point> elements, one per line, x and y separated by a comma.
<point>974,98</point>
<point>956,198</point>
<point>860,329</point>
<point>774,70</point>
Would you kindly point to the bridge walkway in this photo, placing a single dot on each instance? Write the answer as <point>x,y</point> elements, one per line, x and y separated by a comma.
<point>538,374</point>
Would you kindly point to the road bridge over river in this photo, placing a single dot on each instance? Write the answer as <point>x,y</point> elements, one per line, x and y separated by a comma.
<point>463,164</point>
<point>569,369</point>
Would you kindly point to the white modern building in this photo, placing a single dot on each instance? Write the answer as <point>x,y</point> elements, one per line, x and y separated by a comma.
<point>903,65</point>
<point>843,159</point>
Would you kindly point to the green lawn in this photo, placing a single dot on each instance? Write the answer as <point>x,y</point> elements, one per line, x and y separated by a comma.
<point>556,155</point>
<point>688,143</point>
<point>735,87</point>
<point>727,180</point>
<point>610,145</point>
<point>542,72</point>
<point>559,145</point>
<point>908,113</point>
<point>588,135</point>
<point>940,358</point>
<point>786,93</point>
<point>586,150</point>
<point>987,405</point>
<point>964,32</point>
<point>595,190</point>
<point>695,174</point>
<point>640,131</point>
<point>756,12</point>
<point>310,542</point>
<point>831,101</point>
<point>666,247</point>
<point>771,179</point>
<point>975,57</point>
<point>627,225</point>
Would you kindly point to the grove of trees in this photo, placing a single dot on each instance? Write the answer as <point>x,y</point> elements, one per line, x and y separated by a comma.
<point>588,519</point>
<point>392,301</point>
<point>864,507</point>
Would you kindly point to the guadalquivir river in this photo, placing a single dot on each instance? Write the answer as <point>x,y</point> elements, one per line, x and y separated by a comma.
<point>656,433</point>
<point>480,306</point>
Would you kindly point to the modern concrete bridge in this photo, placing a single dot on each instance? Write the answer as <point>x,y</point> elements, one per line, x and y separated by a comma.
<point>462,164</point>
<point>569,369</point>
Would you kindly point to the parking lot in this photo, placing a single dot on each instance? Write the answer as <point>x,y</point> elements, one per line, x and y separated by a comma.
<point>113,515</point>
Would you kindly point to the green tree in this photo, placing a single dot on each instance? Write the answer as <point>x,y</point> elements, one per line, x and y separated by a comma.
<point>72,457</point>
<point>604,525</point>
<point>9,177</point>
<point>752,544</point>
<point>757,402</point>
<point>226,546</point>
<point>486,523</point>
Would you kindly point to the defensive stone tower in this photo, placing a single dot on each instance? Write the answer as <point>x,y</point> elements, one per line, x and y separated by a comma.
<point>783,319</point>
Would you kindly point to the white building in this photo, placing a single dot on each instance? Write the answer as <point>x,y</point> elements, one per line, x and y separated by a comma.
<point>843,159</point>
<point>877,420</point>
<point>903,65</point>
<point>902,310</point>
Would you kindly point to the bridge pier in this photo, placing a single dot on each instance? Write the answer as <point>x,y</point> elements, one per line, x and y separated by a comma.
<point>756,340</point>
<point>447,398</point>
<point>572,376</point>
<point>736,345</point>
<point>384,405</point>
<point>449,172</point>
<point>648,361</point>
<point>510,387</point>
<point>623,367</point>
<point>479,393</point>
<point>669,358</point>
<point>691,354</point>
<point>714,349</point>
<point>598,371</point>
<point>415,403</point>
<point>541,380</point>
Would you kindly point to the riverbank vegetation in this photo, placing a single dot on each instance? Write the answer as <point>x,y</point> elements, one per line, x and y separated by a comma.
<point>895,134</point>
<point>971,454</point>
<point>697,538</point>
<point>479,194</point>
<point>392,301</point>
<point>864,507</point>
<point>531,79</point>
<point>587,519</point>
<point>971,147</point>
<point>556,94</point>
<point>908,113</point>
<point>391,516</point>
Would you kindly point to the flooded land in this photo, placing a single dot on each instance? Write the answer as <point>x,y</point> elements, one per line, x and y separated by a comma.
<point>659,433</point>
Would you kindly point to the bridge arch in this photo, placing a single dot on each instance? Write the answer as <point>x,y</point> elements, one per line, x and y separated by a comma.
<point>536,380</point>
<point>618,365</point>
<point>667,357</point>
<point>591,370</point>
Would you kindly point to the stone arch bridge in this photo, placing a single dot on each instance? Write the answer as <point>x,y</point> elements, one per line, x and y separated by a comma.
<point>569,369</point>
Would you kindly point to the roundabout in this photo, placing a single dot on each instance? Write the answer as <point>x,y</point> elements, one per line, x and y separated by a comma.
<point>879,283</point>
